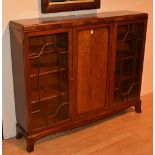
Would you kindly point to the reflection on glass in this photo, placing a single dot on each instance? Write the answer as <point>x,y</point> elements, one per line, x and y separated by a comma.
<point>48,57</point>
<point>127,64</point>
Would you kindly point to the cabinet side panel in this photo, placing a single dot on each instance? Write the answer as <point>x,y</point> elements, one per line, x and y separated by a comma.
<point>18,77</point>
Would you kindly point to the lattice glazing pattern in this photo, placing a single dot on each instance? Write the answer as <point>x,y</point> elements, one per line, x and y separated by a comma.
<point>48,57</point>
<point>127,62</point>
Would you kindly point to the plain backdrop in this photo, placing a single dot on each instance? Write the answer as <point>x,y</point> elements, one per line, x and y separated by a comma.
<point>23,9</point>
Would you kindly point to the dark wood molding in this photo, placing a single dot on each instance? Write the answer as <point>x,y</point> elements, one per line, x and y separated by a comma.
<point>46,8</point>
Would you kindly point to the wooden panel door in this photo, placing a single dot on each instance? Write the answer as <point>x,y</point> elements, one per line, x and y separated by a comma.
<point>92,51</point>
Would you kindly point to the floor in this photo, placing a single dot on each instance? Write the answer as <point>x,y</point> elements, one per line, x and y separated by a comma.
<point>127,133</point>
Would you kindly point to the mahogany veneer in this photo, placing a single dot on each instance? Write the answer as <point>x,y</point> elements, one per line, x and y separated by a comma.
<point>70,71</point>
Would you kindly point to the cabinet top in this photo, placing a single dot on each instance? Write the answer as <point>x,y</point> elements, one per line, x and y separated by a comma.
<point>38,24</point>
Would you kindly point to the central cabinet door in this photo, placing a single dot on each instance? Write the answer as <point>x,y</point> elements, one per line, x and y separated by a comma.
<point>91,57</point>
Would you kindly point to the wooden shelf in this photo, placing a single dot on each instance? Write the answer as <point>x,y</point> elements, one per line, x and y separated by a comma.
<point>128,91</point>
<point>127,58</point>
<point>126,54</point>
<point>34,51</point>
<point>46,93</point>
<point>62,104</point>
<point>127,76</point>
<point>116,89</point>
<point>131,38</point>
<point>45,70</point>
<point>124,76</point>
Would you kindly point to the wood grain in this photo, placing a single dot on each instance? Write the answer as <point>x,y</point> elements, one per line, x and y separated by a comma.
<point>19,77</point>
<point>92,69</point>
<point>38,24</point>
<point>126,133</point>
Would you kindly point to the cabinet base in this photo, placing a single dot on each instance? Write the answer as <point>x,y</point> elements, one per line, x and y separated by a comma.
<point>31,139</point>
<point>30,146</point>
<point>138,107</point>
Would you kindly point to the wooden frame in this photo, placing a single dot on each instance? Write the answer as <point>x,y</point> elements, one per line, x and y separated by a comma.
<point>48,7</point>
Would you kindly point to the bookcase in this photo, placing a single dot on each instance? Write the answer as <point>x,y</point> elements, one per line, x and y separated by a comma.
<point>74,70</point>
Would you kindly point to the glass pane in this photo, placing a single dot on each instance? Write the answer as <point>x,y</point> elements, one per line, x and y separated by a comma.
<point>48,57</point>
<point>127,61</point>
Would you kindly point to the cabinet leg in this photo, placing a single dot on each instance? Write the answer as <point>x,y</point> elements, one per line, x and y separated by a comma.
<point>138,107</point>
<point>30,145</point>
<point>18,134</point>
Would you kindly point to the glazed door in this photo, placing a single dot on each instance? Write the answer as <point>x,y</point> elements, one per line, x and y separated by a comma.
<point>49,58</point>
<point>128,62</point>
<point>91,71</point>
